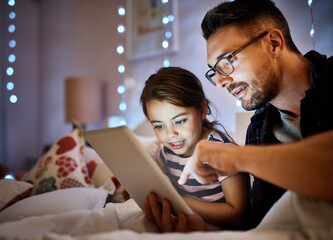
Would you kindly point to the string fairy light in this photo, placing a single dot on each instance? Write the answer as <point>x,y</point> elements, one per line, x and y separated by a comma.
<point>11,58</point>
<point>115,121</point>
<point>312,31</point>
<point>121,89</point>
<point>166,20</point>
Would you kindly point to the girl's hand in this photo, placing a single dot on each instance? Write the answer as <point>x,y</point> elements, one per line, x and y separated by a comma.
<point>161,215</point>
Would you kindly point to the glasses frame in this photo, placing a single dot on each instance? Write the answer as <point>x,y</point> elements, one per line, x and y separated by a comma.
<point>212,71</point>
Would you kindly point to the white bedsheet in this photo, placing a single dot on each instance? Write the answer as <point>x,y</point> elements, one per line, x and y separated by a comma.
<point>292,217</point>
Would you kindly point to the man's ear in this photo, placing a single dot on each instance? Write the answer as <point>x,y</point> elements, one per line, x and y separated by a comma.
<point>204,109</point>
<point>276,41</point>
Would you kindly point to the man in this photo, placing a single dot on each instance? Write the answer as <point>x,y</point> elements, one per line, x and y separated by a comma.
<point>250,53</point>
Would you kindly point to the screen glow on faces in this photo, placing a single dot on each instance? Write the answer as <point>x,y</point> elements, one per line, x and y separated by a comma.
<point>177,128</point>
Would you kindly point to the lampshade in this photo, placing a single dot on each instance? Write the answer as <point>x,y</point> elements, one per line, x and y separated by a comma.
<point>83,100</point>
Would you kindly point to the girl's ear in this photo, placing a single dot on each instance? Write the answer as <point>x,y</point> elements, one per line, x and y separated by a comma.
<point>203,110</point>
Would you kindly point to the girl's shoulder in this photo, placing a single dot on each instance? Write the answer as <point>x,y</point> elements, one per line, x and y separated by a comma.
<point>217,136</point>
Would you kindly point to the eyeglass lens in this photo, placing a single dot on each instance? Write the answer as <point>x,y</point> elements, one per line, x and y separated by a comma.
<point>223,66</point>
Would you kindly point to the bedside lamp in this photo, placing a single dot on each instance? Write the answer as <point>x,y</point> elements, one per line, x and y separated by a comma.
<point>83,100</point>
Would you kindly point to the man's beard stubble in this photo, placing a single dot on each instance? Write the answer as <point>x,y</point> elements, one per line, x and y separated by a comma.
<point>262,93</point>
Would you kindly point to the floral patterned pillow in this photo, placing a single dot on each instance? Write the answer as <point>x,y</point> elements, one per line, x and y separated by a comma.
<point>63,166</point>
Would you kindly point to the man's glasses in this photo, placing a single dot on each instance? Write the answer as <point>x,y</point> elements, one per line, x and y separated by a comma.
<point>224,64</point>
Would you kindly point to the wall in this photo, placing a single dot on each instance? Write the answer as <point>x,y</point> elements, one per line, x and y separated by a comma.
<point>20,135</point>
<point>78,37</point>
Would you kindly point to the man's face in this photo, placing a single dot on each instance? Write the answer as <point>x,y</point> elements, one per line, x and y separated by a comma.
<point>256,77</point>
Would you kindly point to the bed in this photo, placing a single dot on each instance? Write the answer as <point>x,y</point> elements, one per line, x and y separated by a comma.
<point>70,194</point>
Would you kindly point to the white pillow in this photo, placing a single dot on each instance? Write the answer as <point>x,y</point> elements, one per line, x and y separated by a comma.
<point>98,171</point>
<point>12,190</point>
<point>55,202</point>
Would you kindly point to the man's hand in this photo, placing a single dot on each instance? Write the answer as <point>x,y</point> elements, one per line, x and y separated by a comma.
<point>210,160</point>
<point>161,215</point>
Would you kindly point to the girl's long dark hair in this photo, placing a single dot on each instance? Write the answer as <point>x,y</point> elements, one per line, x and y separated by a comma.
<point>179,87</point>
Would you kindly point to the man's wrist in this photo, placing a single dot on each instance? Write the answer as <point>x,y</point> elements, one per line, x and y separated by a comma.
<point>242,162</point>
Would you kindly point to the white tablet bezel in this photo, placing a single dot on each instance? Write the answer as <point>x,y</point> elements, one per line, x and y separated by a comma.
<point>136,170</point>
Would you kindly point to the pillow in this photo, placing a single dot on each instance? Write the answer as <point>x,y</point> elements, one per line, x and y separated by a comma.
<point>63,166</point>
<point>97,170</point>
<point>12,191</point>
<point>100,174</point>
<point>55,202</point>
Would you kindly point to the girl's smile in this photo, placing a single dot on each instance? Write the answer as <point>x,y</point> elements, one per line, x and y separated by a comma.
<point>177,145</point>
<point>177,128</point>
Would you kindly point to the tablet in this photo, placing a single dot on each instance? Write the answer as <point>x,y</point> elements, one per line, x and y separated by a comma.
<point>135,169</point>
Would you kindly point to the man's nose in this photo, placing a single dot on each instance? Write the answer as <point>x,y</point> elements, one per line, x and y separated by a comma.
<point>222,81</point>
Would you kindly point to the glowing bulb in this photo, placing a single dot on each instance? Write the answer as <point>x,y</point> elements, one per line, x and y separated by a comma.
<point>121,89</point>
<point>168,34</point>
<point>165,20</point>
<point>11,58</point>
<point>120,49</point>
<point>10,71</point>
<point>121,68</point>
<point>9,176</point>
<point>12,15</point>
<point>121,11</point>
<point>10,86</point>
<point>122,106</point>
<point>165,44</point>
<point>121,28</point>
<point>11,2</point>
<point>12,43</point>
<point>166,63</point>
<point>11,28</point>
<point>171,18</point>
<point>312,31</point>
<point>13,99</point>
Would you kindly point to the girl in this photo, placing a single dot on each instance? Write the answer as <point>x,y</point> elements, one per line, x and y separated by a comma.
<point>176,106</point>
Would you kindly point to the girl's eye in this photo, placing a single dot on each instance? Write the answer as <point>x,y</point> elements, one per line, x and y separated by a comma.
<point>158,127</point>
<point>180,122</point>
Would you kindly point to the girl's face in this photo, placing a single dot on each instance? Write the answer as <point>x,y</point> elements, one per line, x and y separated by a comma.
<point>177,128</point>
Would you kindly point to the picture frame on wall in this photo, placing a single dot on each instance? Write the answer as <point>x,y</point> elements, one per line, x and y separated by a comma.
<point>151,28</point>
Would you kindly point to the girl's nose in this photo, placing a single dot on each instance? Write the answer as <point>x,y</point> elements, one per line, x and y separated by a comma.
<point>172,133</point>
